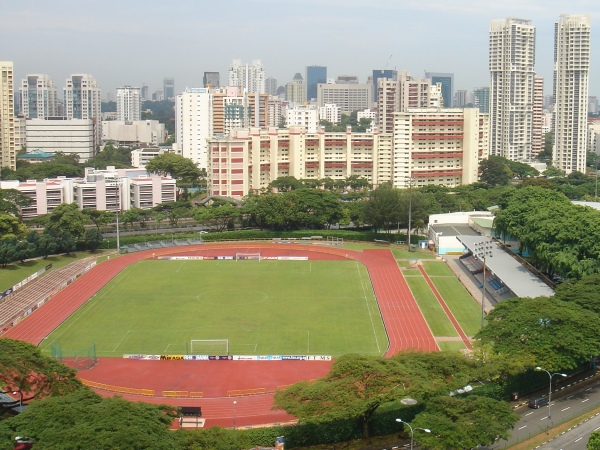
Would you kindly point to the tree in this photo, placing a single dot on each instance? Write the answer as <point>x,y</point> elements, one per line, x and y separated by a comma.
<point>383,208</point>
<point>176,166</point>
<point>594,441</point>
<point>494,171</point>
<point>93,239</point>
<point>314,208</point>
<point>99,218</point>
<point>460,423</point>
<point>24,368</point>
<point>67,217</point>
<point>553,171</point>
<point>174,211</point>
<point>83,419</point>
<point>286,184</point>
<point>120,157</point>
<point>8,251</point>
<point>583,292</point>
<point>11,200</point>
<point>219,217</point>
<point>556,334</point>
<point>11,227</point>
<point>47,244</point>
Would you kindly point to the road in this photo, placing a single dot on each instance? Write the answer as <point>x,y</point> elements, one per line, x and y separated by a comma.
<point>576,438</point>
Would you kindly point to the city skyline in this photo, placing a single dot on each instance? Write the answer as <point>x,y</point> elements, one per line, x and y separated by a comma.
<point>349,38</point>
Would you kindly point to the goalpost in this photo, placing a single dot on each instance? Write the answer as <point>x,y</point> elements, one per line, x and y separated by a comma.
<point>211,347</point>
<point>248,256</point>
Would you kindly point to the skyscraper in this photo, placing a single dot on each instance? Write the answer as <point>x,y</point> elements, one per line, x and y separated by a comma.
<point>169,88</point>
<point>447,80</point>
<point>249,77</point>
<point>211,79</point>
<point>7,116</point>
<point>295,90</point>
<point>511,63</point>
<point>82,101</point>
<point>271,86</point>
<point>537,137</point>
<point>194,124</point>
<point>384,73</point>
<point>314,76</point>
<point>571,78</point>
<point>128,103</point>
<point>481,97</point>
<point>38,97</point>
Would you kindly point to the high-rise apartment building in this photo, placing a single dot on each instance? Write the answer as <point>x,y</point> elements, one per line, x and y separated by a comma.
<point>211,80</point>
<point>271,86</point>
<point>249,77</point>
<point>128,103</point>
<point>314,75</point>
<point>537,136</point>
<point>571,78</point>
<point>7,116</point>
<point>82,101</point>
<point>295,90</point>
<point>481,99</point>
<point>144,93</point>
<point>511,64</point>
<point>233,109</point>
<point>349,97</point>
<point>38,97</point>
<point>194,124</point>
<point>414,93</point>
<point>382,73</point>
<point>460,98</point>
<point>169,88</point>
<point>447,80</point>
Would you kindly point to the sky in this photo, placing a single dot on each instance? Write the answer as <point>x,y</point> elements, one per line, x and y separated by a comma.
<point>131,42</point>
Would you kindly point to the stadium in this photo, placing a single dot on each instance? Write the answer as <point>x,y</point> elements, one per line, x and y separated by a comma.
<point>224,326</point>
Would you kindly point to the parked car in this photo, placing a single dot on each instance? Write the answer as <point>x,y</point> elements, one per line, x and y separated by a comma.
<point>538,402</point>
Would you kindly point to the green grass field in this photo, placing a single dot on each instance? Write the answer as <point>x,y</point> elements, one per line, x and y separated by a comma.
<point>262,308</point>
<point>465,309</point>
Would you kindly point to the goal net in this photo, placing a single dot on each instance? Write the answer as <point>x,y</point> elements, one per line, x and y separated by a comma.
<point>248,256</point>
<point>212,347</point>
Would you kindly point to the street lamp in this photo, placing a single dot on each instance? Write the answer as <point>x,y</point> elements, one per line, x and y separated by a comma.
<point>412,431</point>
<point>20,399</point>
<point>118,184</point>
<point>539,369</point>
<point>234,403</point>
<point>481,251</point>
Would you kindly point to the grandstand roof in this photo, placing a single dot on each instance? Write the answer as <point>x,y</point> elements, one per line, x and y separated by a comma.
<point>454,229</point>
<point>512,273</point>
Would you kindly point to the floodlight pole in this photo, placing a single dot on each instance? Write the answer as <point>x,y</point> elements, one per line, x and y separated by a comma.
<point>410,181</point>
<point>118,213</point>
<point>234,403</point>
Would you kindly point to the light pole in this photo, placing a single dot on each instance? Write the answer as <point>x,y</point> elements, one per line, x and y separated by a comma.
<point>234,403</point>
<point>20,399</point>
<point>412,431</point>
<point>482,251</point>
<point>539,369</point>
<point>118,184</point>
<point>410,184</point>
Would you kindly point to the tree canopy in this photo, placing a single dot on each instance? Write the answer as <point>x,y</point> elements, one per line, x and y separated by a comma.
<point>554,334</point>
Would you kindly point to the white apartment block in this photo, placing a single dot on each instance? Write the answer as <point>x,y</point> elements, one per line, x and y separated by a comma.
<point>105,190</point>
<point>436,98</point>
<point>141,156</point>
<point>537,134</point>
<point>38,97</point>
<point>83,101</point>
<point>20,133</point>
<point>429,146</point>
<point>275,111</point>
<point>413,93</point>
<point>511,64</point>
<point>331,113</point>
<point>303,116</point>
<point>439,147</point>
<point>250,78</point>
<point>348,97</point>
<point>128,103</point>
<point>571,79</point>
<point>59,134</point>
<point>150,132</point>
<point>7,116</point>
<point>194,124</point>
<point>593,141</point>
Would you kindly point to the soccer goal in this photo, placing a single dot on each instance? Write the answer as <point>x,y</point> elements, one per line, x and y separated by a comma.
<point>211,347</point>
<point>248,256</point>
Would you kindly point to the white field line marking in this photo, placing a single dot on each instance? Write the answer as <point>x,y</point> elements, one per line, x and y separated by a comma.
<point>368,306</point>
<point>121,341</point>
<point>179,268</point>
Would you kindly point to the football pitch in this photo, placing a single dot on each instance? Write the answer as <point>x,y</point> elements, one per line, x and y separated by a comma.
<point>261,307</point>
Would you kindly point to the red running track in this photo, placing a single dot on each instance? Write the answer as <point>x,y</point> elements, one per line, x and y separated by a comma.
<point>405,326</point>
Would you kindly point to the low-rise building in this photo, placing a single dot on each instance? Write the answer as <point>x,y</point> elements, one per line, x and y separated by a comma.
<point>59,134</point>
<point>150,132</point>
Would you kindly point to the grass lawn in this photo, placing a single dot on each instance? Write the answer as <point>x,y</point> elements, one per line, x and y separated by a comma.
<point>466,310</point>
<point>451,346</point>
<point>412,273</point>
<point>437,268</point>
<point>262,308</point>
<point>13,273</point>
<point>405,254</point>
<point>434,314</point>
